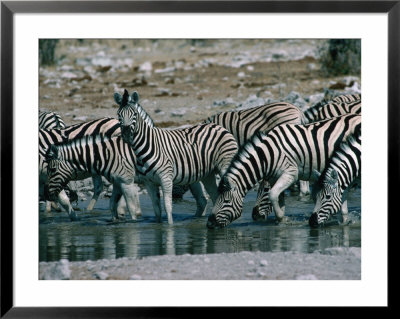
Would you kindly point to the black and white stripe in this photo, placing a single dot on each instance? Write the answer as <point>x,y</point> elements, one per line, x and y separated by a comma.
<point>87,156</point>
<point>180,156</point>
<point>341,172</point>
<point>340,105</point>
<point>287,153</point>
<point>50,120</point>
<point>105,126</point>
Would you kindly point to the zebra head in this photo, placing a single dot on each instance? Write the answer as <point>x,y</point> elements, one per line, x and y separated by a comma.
<point>228,205</point>
<point>59,173</point>
<point>127,114</point>
<point>327,196</point>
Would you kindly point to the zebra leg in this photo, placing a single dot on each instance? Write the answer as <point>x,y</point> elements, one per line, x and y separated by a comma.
<point>198,193</point>
<point>116,196</point>
<point>121,207</point>
<point>48,207</point>
<point>64,202</point>
<point>263,206</point>
<point>304,190</point>
<point>210,184</point>
<point>345,212</point>
<point>166,186</point>
<point>98,187</point>
<point>283,182</point>
<point>130,193</point>
<point>55,206</point>
<point>154,193</point>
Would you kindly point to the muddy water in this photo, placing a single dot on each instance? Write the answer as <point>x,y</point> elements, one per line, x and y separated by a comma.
<point>96,237</point>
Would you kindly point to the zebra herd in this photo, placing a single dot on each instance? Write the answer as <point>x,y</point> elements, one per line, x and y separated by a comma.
<point>270,146</point>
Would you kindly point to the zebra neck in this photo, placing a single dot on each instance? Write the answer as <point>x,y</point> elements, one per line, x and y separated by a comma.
<point>144,138</point>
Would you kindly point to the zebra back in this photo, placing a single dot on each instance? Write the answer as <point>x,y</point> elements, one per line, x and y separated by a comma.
<point>95,154</point>
<point>105,126</point>
<point>50,120</point>
<point>244,123</point>
<point>339,106</point>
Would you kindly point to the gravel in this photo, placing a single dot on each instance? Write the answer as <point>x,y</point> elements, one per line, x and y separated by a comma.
<point>331,264</point>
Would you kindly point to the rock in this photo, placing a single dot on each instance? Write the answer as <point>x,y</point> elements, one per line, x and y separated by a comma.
<point>178,112</point>
<point>306,277</point>
<point>80,118</point>
<point>101,275</point>
<point>146,67</point>
<point>227,102</point>
<point>166,70</point>
<point>296,99</point>
<point>58,271</point>
<point>241,75</point>
<point>263,263</point>
<point>135,277</point>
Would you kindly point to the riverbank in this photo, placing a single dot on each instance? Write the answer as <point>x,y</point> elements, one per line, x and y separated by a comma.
<point>335,263</point>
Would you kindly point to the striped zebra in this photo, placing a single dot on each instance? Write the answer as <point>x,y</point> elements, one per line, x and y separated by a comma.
<point>180,156</point>
<point>49,120</point>
<point>342,171</point>
<point>105,126</point>
<point>338,106</point>
<point>287,153</point>
<point>99,155</point>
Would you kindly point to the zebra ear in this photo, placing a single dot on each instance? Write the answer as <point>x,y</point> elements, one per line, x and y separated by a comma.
<point>226,185</point>
<point>135,97</point>
<point>118,98</point>
<point>52,153</point>
<point>332,176</point>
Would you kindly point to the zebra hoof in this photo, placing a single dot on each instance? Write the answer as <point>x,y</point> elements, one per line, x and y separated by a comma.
<point>282,221</point>
<point>73,217</point>
<point>256,215</point>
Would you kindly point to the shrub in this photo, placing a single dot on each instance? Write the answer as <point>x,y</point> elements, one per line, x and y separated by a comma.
<point>46,51</point>
<point>341,56</point>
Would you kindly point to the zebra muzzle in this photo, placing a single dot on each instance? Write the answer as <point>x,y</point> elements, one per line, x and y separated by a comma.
<point>313,221</point>
<point>212,222</point>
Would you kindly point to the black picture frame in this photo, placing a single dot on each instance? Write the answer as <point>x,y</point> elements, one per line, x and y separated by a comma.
<point>9,8</point>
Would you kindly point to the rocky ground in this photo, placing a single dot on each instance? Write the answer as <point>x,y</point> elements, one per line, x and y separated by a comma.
<point>183,82</point>
<point>332,264</point>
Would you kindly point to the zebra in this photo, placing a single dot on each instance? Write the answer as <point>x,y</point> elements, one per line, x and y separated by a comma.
<point>49,120</point>
<point>342,171</point>
<point>287,153</point>
<point>179,156</point>
<point>338,106</point>
<point>84,157</point>
<point>106,126</point>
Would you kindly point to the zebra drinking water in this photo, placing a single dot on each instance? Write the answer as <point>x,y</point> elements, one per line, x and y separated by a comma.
<point>105,126</point>
<point>99,155</point>
<point>179,156</point>
<point>287,153</point>
<point>341,172</point>
<point>51,120</point>
<point>340,105</point>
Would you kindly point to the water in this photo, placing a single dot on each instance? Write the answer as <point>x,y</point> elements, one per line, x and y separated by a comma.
<point>96,237</point>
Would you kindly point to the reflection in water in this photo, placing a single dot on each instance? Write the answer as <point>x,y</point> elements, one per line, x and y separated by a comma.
<point>95,237</point>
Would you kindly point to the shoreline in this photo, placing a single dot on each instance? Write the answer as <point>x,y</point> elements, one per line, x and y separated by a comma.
<point>337,263</point>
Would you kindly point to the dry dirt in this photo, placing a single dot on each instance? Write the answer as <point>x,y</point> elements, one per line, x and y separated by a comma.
<point>183,81</point>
